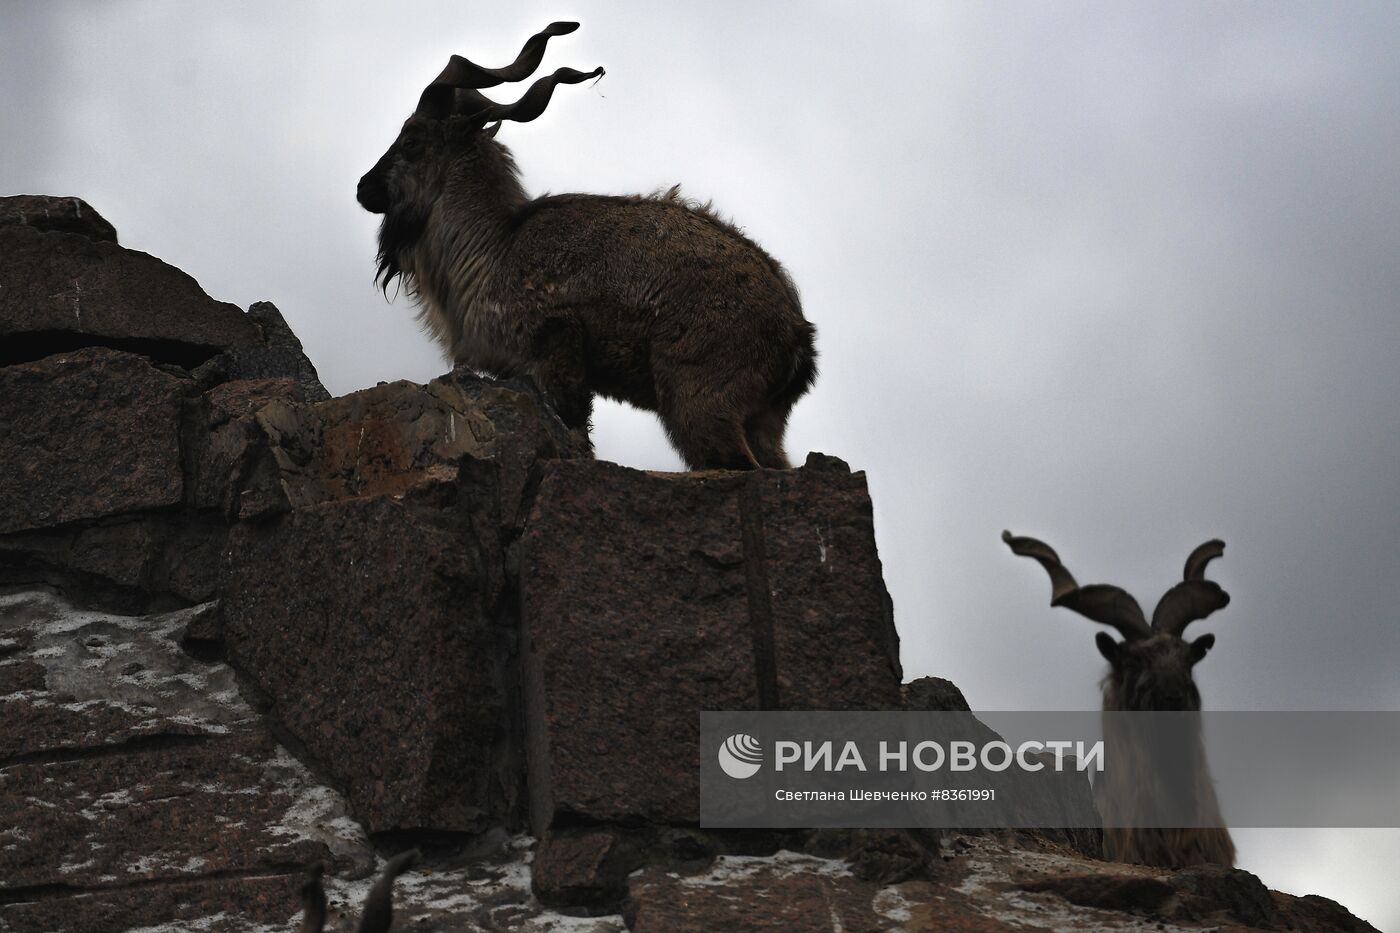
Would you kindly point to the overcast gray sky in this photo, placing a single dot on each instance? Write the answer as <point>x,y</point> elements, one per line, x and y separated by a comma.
<point>1120,276</point>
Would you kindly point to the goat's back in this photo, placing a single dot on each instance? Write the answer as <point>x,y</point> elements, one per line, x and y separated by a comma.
<point>660,253</point>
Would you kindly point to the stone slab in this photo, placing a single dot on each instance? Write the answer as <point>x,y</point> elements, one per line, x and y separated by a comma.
<point>65,215</point>
<point>647,598</point>
<point>138,788</point>
<point>66,290</point>
<point>393,437</point>
<point>370,624</point>
<point>85,435</point>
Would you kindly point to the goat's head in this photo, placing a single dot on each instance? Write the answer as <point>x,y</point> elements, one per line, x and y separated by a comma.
<point>453,127</point>
<point>1151,666</point>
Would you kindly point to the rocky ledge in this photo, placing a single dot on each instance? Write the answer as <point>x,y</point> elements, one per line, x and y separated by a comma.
<point>246,628</point>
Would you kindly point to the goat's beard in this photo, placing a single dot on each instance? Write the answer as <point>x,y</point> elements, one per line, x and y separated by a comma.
<point>400,230</point>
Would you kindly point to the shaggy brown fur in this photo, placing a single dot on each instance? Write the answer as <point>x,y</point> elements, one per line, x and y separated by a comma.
<point>1154,675</point>
<point>655,301</point>
<point>1150,671</point>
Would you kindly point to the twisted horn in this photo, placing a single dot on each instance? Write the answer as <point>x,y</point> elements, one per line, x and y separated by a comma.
<point>454,89</point>
<point>1100,602</point>
<point>532,103</point>
<point>1202,555</point>
<point>1195,597</point>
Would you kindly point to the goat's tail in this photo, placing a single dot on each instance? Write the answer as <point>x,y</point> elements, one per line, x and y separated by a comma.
<point>804,369</point>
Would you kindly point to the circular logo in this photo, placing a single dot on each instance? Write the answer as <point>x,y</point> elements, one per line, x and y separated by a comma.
<point>740,756</point>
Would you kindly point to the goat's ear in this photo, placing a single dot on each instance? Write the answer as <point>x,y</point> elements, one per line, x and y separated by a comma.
<point>1200,646</point>
<point>1107,647</point>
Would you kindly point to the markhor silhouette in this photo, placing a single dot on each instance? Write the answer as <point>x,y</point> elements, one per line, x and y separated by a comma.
<point>1150,671</point>
<point>655,301</point>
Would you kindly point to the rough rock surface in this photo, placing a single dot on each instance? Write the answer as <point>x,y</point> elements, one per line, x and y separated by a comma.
<point>391,669</point>
<point>279,356</point>
<point>648,597</point>
<point>834,640</point>
<point>141,791</point>
<point>222,439</point>
<point>123,560</point>
<point>86,435</point>
<point>586,866</point>
<point>124,466</point>
<point>65,215</point>
<point>62,290</point>
<point>135,780</point>
<point>388,569</point>
<point>628,628</point>
<point>934,694</point>
<point>982,884</point>
<point>388,439</point>
<point>396,500</point>
<point>786,893</point>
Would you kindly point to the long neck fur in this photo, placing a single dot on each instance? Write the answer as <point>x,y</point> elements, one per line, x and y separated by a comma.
<point>449,261</point>
<point>1135,776</point>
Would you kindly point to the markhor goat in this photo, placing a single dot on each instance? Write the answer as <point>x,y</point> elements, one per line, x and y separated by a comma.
<point>1150,671</point>
<point>655,301</point>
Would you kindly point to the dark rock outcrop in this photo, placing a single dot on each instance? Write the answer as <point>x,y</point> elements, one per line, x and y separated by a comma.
<point>1211,895</point>
<point>137,787</point>
<point>1210,891</point>
<point>60,291</point>
<point>648,597</point>
<point>391,670</point>
<point>791,894</point>
<point>126,561</point>
<point>404,499</point>
<point>1048,791</point>
<point>584,867</point>
<point>223,439</point>
<point>87,435</point>
<point>934,694</point>
<point>241,623</point>
<point>391,438</point>
<point>127,399</point>
<point>1130,893</point>
<point>278,356</point>
<point>395,671</point>
<point>64,215</point>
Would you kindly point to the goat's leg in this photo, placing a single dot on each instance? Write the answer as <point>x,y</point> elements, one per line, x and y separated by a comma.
<point>558,369</point>
<point>764,432</point>
<point>703,414</point>
<point>707,441</point>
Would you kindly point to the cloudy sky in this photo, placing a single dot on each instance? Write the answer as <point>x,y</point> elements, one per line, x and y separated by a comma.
<point>1120,276</point>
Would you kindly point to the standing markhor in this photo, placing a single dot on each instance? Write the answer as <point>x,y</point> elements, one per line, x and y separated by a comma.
<point>652,300</point>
